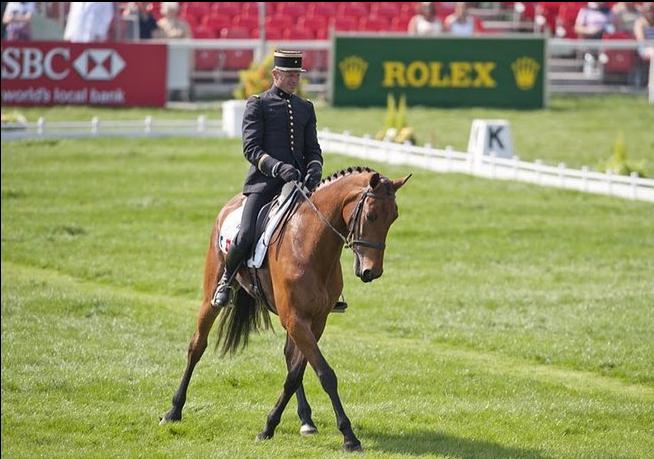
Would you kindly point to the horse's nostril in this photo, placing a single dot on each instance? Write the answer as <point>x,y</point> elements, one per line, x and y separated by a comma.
<point>366,275</point>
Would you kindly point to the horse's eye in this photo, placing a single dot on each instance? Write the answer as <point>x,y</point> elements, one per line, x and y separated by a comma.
<point>371,217</point>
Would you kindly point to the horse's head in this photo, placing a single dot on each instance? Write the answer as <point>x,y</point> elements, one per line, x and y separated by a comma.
<point>368,223</point>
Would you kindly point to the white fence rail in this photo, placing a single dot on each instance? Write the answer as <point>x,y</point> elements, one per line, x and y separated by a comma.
<point>145,127</point>
<point>448,160</point>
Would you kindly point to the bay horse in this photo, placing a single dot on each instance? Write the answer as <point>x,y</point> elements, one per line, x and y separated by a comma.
<point>302,280</point>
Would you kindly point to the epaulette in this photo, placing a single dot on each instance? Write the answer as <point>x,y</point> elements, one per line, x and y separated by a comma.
<point>256,96</point>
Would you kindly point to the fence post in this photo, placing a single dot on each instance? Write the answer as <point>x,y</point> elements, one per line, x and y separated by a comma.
<point>609,174</point>
<point>448,158</point>
<point>584,178</point>
<point>95,125</point>
<point>148,125</point>
<point>539,171</point>
<point>562,175</point>
<point>202,123</point>
<point>634,187</point>
<point>516,160</point>
<point>40,126</point>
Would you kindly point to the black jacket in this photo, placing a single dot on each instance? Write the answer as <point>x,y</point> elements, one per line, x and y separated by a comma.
<point>282,126</point>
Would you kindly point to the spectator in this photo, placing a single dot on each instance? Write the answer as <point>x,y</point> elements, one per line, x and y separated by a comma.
<point>18,19</point>
<point>460,22</point>
<point>591,21</point>
<point>644,25</point>
<point>623,16</point>
<point>644,30</point>
<point>171,25</point>
<point>89,21</point>
<point>425,22</point>
<point>148,27</point>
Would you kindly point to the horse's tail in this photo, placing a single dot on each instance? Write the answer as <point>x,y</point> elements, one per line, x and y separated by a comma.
<point>235,323</point>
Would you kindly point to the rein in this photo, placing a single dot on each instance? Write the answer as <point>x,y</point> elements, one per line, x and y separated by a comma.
<point>354,222</point>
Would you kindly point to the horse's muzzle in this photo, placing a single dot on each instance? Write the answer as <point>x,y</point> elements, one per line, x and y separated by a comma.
<point>368,276</point>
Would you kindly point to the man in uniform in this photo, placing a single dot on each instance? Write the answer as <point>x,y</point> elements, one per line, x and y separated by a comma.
<point>281,143</point>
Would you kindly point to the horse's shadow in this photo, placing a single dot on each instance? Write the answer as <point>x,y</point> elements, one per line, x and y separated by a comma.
<point>424,442</point>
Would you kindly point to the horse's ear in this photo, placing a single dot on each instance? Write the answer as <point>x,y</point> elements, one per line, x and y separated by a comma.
<point>374,180</point>
<point>397,184</point>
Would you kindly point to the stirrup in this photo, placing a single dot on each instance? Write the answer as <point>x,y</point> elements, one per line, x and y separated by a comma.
<point>340,307</point>
<point>222,294</point>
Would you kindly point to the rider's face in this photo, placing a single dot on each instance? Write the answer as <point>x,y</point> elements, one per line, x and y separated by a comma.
<point>286,81</point>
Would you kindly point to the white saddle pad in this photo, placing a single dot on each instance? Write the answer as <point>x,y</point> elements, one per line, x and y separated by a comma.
<point>231,225</point>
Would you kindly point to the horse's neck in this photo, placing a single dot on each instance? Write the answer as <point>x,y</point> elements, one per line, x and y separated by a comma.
<point>330,200</point>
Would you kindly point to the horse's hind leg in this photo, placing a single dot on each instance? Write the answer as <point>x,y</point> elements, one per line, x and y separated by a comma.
<point>296,363</point>
<point>196,348</point>
<point>206,317</point>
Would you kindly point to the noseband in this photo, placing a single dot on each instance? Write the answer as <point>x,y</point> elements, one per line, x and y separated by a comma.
<point>354,223</point>
<point>353,237</point>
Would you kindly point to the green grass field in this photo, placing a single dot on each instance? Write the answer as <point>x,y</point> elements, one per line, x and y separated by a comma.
<point>580,131</point>
<point>511,320</point>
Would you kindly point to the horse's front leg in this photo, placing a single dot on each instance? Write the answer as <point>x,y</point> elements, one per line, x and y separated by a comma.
<point>305,339</point>
<point>296,363</point>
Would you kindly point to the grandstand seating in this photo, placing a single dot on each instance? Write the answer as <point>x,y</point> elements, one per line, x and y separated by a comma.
<point>313,21</point>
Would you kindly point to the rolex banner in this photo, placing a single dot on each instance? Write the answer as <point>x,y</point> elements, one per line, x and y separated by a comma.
<point>441,72</point>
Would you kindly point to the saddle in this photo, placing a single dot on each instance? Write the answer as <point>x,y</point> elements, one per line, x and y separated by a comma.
<point>268,219</point>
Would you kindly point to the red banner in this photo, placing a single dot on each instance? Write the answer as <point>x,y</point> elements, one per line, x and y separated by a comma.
<point>63,73</point>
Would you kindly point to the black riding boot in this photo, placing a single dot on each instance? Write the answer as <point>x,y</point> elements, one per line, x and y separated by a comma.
<point>232,264</point>
<point>221,297</point>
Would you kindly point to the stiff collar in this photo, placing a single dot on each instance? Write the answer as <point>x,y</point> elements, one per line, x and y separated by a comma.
<point>281,93</point>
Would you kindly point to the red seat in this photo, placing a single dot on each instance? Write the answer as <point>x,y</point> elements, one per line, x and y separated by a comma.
<point>313,22</point>
<point>620,61</point>
<point>353,9</point>
<point>326,9</point>
<point>285,22</point>
<point>249,9</point>
<point>387,10</point>
<point>207,59</point>
<point>215,23</point>
<point>299,34</point>
<point>248,22</point>
<point>373,24</point>
<point>315,60</point>
<point>399,24</point>
<point>345,23</point>
<point>293,9</point>
<point>274,33</point>
<point>236,59</point>
<point>229,9</point>
<point>204,32</point>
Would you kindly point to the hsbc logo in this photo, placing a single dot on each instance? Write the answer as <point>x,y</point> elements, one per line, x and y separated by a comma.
<point>33,63</point>
<point>99,64</point>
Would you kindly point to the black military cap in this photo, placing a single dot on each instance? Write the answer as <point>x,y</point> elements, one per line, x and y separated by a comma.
<point>288,61</point>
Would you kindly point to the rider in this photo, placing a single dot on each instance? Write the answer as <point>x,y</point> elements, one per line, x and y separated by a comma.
<point>281,143</point>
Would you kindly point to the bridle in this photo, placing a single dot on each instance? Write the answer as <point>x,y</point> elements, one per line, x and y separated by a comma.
<point>353,237</point>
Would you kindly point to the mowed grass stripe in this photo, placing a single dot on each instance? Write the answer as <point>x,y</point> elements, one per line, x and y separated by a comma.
<point>491,362</point>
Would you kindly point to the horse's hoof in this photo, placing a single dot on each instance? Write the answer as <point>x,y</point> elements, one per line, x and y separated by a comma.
<point>307,430</point>
<point>263,436</point>
<point>352,446</point>
<point>168,418</point>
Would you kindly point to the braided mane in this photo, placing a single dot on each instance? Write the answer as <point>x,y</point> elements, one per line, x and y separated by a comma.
<point>344,173</point>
